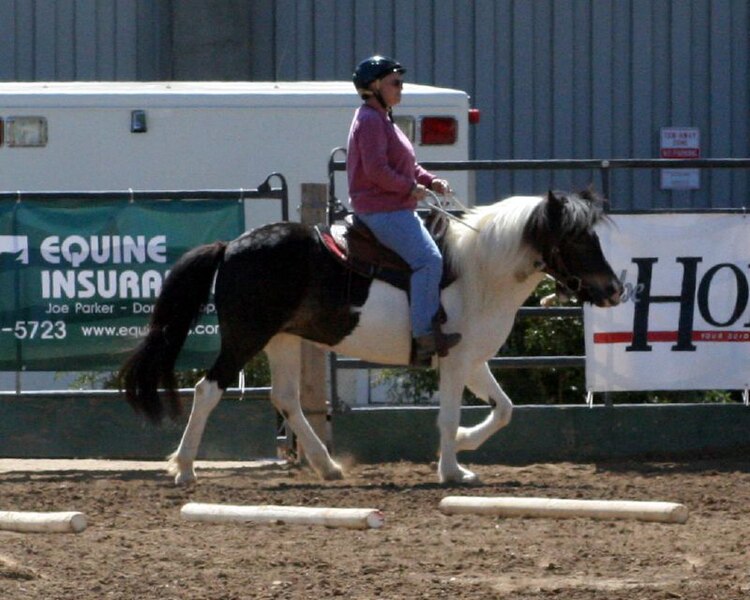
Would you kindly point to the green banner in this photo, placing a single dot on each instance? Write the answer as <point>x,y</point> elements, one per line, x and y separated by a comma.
<point>78,280</point>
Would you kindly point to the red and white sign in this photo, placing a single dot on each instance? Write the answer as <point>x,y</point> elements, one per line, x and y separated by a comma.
<point>680,142</point>
<point>684,323</point>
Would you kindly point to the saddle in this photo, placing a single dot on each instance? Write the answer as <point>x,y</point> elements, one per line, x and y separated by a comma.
<point>354,246</point>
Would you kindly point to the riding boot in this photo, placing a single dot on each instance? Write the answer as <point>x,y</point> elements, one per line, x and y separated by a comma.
<point>434,342</point>
<point>443,341</point>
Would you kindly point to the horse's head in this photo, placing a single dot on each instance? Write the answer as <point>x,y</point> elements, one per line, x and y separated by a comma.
<point>561,230</point>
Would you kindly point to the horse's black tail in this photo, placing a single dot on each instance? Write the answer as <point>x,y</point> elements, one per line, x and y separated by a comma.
<point>185,290</point>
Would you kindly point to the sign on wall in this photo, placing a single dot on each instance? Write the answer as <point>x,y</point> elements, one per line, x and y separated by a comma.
<point>684,323</point>
<point>79,279</point>
<point>680,143</point>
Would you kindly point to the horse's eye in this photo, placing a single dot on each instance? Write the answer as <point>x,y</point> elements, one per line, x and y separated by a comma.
<point>576,241</point>
<point>584,238</point>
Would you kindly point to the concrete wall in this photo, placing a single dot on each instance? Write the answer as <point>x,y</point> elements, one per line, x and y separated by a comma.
<point>107,428</point>
<point>246,430</point>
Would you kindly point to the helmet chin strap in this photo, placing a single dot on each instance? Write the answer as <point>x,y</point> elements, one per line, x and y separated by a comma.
<point>379,98</point>
<point>388,109</point>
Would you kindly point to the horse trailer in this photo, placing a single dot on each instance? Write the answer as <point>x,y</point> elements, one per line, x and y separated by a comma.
<point>179,135</point>
<point>93,136</point>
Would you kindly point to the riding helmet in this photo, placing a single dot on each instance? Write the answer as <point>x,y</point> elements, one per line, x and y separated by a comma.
<point>374,68</point>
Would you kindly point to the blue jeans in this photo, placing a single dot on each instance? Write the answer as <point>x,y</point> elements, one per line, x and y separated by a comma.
<point>403,232</point>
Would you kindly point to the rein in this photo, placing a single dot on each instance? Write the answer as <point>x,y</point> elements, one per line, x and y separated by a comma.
<point>435,206</point>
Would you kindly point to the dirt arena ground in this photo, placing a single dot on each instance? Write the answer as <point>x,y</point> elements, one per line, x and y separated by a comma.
<point>137,547</point>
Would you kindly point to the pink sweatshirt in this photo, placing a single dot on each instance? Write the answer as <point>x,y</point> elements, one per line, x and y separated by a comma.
<point>381,165</point>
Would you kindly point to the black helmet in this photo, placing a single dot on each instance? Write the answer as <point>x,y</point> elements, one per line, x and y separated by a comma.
<point>374,68</point>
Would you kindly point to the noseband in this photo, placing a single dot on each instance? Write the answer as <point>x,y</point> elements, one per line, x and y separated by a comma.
<point>554,265</point>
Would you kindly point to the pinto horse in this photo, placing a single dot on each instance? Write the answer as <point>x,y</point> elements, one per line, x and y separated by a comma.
<point>276,286</point>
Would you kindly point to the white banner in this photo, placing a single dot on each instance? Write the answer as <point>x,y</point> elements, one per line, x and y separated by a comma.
<point>684,323</point>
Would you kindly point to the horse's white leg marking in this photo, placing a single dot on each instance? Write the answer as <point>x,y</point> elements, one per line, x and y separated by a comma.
<point>285,360</point>
<point>452,377</point>
<point>484,385</point>
<point>205,398</point>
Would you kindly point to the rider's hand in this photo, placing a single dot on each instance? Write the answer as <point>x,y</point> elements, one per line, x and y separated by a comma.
<point>441,186</point>
<point>419,192</point>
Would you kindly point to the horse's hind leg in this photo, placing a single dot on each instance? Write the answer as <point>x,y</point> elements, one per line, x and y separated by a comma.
<point>208,392</point>
<point>284,357</point>
<point>205,398</point>
<point>483,384</point>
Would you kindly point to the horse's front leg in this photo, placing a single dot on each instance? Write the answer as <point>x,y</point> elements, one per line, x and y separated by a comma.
<point>486,388</point>
<point>205,398</point>
<point>452,378</point>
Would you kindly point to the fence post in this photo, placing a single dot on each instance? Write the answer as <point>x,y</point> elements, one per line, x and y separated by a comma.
<point>313,389</point>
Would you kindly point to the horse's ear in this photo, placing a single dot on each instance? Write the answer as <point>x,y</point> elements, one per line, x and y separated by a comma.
<point>555,207</point>
<point>592,195</point>
<point>556,198</point>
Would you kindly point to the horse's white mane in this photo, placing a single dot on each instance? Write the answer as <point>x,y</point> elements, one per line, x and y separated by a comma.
<point>494,234</point>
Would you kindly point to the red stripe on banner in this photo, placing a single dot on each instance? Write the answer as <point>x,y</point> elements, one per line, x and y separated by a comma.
<point>614,337</point>
<point>626,337</point>
<point>662,336</point>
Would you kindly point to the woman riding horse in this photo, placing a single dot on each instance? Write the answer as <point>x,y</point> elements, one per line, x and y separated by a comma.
<point>385,184</point>
<point>277,285</point>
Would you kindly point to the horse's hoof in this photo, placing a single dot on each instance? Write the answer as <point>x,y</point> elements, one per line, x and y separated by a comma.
<point>185,479</point>
<point>333,473</point>
<point>462,477</point>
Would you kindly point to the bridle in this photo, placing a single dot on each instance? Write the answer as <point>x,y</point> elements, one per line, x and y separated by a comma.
<point>554,266</point>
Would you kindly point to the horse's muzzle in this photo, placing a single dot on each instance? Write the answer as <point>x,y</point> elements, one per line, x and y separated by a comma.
<point>604,295</point>
<point>612,294</point>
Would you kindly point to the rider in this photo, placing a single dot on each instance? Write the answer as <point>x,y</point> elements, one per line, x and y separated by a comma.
<point>385,184</point>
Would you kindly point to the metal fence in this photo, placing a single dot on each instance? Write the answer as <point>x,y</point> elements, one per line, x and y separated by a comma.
<point>274,187</point>
<point>265,190</point>
<point>604,169</point>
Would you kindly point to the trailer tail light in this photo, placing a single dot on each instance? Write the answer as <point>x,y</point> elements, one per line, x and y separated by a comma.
<point>474,116</point>
<point>438,131</point>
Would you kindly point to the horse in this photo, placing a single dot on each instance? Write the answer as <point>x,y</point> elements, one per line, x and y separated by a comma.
<point>276,285</point>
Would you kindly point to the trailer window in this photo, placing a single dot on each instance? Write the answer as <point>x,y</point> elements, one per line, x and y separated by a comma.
<point>23,132</point>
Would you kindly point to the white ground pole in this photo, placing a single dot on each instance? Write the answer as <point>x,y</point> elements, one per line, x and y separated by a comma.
<point>558,508</point>
<point>42,522</point>
<point>351,518</point>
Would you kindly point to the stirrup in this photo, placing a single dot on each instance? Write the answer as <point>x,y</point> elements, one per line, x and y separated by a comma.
<point>443,341</point>
<point>424,347</point>
<point>446,341</point>
<point>436,342</point>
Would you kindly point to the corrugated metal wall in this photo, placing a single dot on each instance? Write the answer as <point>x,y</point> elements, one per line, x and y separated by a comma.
<point>553,78</point>
<point>68,40</point>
